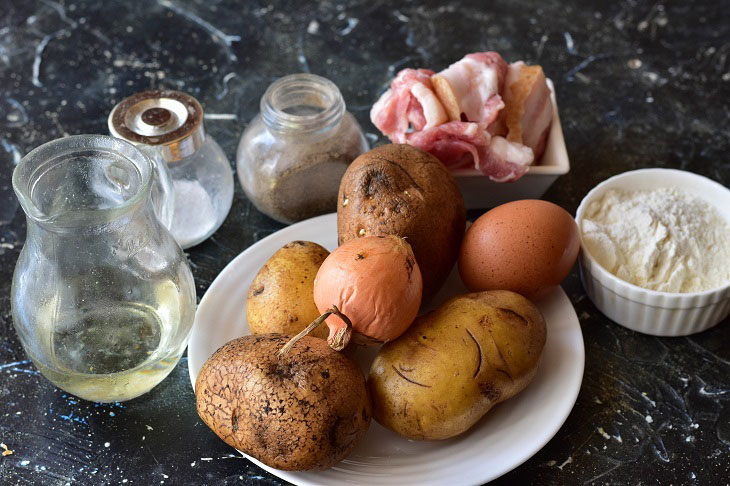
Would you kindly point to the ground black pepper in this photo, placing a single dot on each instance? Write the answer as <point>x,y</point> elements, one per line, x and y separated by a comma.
<point>293,155</point>
<point>307,178</point>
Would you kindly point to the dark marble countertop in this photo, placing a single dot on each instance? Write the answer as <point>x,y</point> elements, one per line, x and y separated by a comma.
<point>639,84</point>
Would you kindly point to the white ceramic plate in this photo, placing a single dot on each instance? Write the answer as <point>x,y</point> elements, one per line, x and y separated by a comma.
<point>510,433</point>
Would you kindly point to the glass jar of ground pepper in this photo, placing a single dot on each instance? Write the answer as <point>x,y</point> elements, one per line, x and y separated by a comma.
<point>293,154</point>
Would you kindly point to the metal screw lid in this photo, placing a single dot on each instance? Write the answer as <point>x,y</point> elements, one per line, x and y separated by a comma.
<point>170,120</point>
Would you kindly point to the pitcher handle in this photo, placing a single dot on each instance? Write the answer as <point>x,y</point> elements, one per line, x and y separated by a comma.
<point>163,191</point>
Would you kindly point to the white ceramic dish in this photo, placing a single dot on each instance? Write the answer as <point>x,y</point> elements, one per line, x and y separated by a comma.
<point>481,192</point>
<point>649,311</point>
<point>510,434</point>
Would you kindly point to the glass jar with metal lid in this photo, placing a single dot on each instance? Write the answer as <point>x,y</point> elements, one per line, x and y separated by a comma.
<point>295,151</point>
<point>168,125</point>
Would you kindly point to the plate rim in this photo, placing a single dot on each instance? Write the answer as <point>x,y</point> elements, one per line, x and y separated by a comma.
<point>296,477</point>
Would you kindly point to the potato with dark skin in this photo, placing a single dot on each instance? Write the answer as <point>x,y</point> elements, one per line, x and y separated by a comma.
<point>305,410</point>
<point>401,190</point>
<point>455,363</point>
<point>281,297</point>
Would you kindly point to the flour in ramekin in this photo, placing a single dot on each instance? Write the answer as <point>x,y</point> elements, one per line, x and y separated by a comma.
<point>662,239</point>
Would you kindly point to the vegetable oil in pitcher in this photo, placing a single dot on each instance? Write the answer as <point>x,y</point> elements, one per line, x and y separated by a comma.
<point>102,298</point>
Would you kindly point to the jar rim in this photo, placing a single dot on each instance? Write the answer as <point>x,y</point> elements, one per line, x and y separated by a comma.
<point>308,90</point>
<point>51,154</point>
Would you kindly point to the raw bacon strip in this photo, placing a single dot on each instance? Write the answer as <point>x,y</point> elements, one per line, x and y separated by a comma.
<point>431,109</point>
<point>528,110</point>
<point>410,102</point>
<point>456,144</point>
<point>389,115</point>
<point>464,144</point>
<point>506,161</point>
<point>469,88</point>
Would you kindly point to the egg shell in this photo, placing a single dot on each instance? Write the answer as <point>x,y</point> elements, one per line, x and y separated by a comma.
<point>524,246</point>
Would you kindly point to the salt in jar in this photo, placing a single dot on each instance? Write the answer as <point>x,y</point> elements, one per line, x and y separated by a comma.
<point>168,126</point>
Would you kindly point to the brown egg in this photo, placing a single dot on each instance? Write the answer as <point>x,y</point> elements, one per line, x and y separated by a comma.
<point>524,246</point>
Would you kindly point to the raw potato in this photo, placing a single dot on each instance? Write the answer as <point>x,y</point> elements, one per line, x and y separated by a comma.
<point>305,410</point>
<point>455,363</point>
<point>401,190</point>
<point>281,297</point>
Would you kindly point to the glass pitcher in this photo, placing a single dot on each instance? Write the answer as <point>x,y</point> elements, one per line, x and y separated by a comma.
<point>102,297</point>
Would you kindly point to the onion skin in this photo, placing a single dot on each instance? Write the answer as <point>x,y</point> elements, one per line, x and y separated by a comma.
<point>375,281</point>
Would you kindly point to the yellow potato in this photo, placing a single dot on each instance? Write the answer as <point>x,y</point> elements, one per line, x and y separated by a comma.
<point>455,363</point>
<point>281,297</point>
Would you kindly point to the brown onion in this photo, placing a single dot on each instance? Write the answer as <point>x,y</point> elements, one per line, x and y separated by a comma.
<point>368,289</point>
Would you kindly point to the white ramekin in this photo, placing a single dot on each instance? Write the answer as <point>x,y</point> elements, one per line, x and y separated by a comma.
<point>649,311</point>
